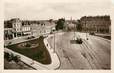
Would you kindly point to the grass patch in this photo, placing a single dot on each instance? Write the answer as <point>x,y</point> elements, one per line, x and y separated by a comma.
<point>38,53</point>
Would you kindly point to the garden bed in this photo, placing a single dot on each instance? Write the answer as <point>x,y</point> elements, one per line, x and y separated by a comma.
<point>34,49</point>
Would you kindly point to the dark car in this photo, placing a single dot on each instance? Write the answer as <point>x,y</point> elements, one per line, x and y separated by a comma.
<point>79,41</point>
<point>30,37</point>
<point>92,33</point>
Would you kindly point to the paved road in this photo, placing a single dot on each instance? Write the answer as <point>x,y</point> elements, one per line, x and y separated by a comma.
<point>92,54</point>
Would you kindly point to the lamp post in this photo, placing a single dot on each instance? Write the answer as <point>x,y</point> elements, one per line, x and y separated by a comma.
<point>86,32</point>
<point>86,29</point>
<point>74,28</point>
<point>54,39</point>
<point>74,32</point>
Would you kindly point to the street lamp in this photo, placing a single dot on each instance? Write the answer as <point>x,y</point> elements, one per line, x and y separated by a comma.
<point>54,41</point>
<point>74,28</point>
<point>86,29</point>
<point>74,32</point>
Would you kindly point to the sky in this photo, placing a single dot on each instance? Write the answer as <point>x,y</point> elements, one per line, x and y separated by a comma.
<point>54,9</point>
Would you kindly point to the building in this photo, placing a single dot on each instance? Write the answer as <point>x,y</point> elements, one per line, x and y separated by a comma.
<point>25,28</point>
<point>12,29</point>
<point>8,33</point>
<point>100,24</point>
<point>17,27</point>
<point>35,29</point>
<point>70,25</point>
<point>49,26</point>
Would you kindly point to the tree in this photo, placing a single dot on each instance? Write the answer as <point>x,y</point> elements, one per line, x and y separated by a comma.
<point>60,24</point>
<point>50,20</point>
<point>79,26</point>
<point>8,24</point>
<point>16,58</point>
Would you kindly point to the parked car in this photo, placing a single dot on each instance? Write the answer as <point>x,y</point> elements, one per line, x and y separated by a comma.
<point>92,33</point>
<point>30,37</point>
<point>79,40</point>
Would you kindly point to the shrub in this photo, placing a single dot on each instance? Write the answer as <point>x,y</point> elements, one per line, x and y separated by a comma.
<point>9,57</point>
<point>28,45</point>
<point>6,55</point>
<point>40,54</point>
<point>16,58</point>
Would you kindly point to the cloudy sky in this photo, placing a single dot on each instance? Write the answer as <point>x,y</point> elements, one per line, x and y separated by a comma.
<point>41,10</point>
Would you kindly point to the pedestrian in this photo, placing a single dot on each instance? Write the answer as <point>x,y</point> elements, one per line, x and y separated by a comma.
<point>32,63</point>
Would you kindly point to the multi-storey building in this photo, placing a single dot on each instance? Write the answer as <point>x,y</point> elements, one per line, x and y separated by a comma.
<point>99,24</point>
<point>16,25</point>
<point>8,33</point>
<point>35,29</point>
<point>42,28</point>
<point>26,30</point>
<point>12,29</point>
<point>23,29</point>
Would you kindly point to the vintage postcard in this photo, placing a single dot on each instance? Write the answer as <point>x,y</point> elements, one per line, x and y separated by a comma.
<point>57,35</point>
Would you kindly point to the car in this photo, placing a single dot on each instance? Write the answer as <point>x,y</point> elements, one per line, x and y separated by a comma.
<point>92,33</point>
<point>79,40</point>
<point>30,37</point>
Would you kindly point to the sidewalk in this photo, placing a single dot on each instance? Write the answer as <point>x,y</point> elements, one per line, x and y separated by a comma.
<point>55,60</point>
<point>102,34</point>
<point>18,40</point>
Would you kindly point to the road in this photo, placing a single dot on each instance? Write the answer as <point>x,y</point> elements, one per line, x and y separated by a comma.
<point>94,53</point>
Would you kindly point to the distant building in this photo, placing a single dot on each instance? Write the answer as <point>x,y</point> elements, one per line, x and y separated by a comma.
<point>20,28</point>
<point>8,33</point>
<point>26,30</point>
<point>35,29</point>
<point>12,29</point>
<point>100,24</point>
<point>44,28</point>
<point>70,25</point>
<point>49,26</point>
<point>17,27</point>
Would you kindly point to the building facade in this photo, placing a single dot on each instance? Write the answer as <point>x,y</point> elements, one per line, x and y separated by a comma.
<point>14,31</point>
<point>16,25</point>
<point>100,24</point>
<point>8,33</point>
<point>26,30</point>
<point>20,29</point>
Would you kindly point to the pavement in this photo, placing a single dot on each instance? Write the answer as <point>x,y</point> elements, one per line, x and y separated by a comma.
<point>94,53</point>
<point>34,64</point>
<point>18,40</point>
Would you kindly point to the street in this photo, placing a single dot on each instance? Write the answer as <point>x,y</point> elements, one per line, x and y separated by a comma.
<point>94,53</point>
